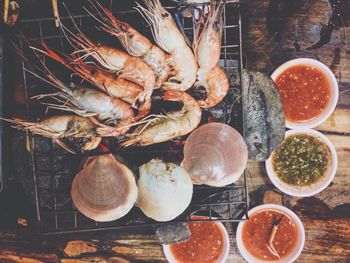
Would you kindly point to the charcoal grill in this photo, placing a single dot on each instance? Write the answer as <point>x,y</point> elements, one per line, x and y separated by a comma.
<point>49,170</point>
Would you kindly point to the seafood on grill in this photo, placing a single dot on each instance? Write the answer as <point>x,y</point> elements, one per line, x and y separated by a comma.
<point>125,66</point>
<point>106,81</point>
<point>165,190</point>
<point>88,102</point>
<point>169,38</point>
<point>135,43</point>
<point>162,128</point>
<point>105,189</point>
<point>207,48</point>
<point>61,126</point>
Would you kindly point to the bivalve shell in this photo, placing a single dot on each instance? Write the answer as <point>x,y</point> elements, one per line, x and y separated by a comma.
<point>165,190</point>
<point>104,190</point>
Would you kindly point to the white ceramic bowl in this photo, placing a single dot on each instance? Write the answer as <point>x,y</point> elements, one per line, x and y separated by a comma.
<point>171,259</point>
<point>301,234</point>
<point>333,85</point>
<point>314,188</point>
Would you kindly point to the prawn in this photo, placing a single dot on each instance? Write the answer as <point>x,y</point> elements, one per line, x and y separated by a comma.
<point>87,102</point>
<point>165,127</point>
<point>207,48</point>
<point>169,38</point>
<point>128,67</point>
<point>135,43</point>
<point>105,81</point>
<point>63,126</point>
<point>216,84</point>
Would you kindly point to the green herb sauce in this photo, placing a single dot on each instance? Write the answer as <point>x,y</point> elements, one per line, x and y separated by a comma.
<point>301,160</point>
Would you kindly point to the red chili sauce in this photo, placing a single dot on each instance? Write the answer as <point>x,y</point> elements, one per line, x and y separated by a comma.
<point>205,245</point>
<point>257,230</point>
<point>305,92</point>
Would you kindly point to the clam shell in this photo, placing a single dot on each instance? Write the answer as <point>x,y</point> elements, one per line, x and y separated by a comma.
<point>215,154</point>
<point>104,190</point>
<point>165,190</point>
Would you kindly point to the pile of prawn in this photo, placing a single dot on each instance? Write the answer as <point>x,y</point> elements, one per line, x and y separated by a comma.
<point>124,80</point>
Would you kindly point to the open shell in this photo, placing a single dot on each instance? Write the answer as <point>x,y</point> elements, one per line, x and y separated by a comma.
<point>104,190</point>
<point>165,190</point>
<point>215,154</point>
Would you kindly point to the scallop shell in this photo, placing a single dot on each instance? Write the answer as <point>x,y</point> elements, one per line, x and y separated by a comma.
<point>165,190</point>
<point>215,154</point>
<point>104,190</point>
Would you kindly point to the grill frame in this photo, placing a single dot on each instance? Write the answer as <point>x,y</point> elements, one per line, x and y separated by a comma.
<point>229,112</point>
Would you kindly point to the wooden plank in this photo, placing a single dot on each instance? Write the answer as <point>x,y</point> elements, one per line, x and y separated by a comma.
<point>327,240</point>
<point>339,121</point>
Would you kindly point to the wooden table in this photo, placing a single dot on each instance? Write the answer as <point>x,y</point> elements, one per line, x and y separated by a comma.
<point>274,32</point>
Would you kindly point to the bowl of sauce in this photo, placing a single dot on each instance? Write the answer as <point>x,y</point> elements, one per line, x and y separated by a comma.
<point>304,165</point>
<point>272,233</point>
<point>209,243</point>
<point>309,92</point>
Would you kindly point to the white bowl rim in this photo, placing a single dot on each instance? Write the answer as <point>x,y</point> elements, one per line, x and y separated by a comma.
<point>333,84</point>
<point>171,259</point>
<point>299,247</point>
<point>318,187</point>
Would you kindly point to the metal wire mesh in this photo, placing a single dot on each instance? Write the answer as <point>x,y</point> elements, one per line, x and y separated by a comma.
<point>53,169</point>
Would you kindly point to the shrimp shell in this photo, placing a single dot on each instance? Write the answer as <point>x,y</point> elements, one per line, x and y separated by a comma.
<point>63,126</point>
<point>172,125</point>
<point>207,49</point>
<point>216,84</point>
<point>128,67</point>
<point>106,81</point>
<point>169,38</point>
<point>135,43</point>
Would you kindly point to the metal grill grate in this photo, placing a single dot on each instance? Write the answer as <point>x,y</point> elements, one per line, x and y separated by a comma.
<point>53,169</point>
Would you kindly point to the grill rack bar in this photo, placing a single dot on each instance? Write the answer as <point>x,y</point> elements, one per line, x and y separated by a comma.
<point>49,216</point>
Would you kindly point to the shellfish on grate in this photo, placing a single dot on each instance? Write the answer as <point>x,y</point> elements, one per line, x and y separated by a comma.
<point>105,189</point>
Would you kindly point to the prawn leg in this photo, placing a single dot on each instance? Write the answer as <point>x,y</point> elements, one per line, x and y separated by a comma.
<point>64,146</point>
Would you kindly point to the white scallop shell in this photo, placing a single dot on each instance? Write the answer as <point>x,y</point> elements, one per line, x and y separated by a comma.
<point>165,190</point>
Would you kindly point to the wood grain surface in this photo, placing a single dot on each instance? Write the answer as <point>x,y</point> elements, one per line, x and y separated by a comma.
<point>274,31</point>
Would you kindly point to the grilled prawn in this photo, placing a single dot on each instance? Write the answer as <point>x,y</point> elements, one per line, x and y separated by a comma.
<point>165,127</point>
<point>127,67</point>
<point>63,126</point>
<point>207,49</point>
<point>136,44</point>
<point>88,102</point>
<point>106,81</point>
<point>168,37</point>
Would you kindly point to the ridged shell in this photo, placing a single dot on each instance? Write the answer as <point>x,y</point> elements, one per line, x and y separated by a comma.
<point>104,190</point>
<point>165,190</point>
<point>215,154</point>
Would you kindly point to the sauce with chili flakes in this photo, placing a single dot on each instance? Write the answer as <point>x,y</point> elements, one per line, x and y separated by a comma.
<point>205,245</point>
<point>257,230</point>
<point>305,92</point>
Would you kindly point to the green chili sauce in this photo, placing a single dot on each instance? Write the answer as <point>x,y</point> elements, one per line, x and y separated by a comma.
<point>301,160</point>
